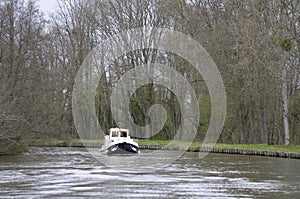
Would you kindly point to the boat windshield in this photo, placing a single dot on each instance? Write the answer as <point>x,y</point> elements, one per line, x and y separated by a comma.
<point>123,134</point>
<point>114,134</point>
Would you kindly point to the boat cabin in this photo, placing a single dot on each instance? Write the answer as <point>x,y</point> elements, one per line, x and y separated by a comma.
<point>118,133</point>
<point>119,141</point>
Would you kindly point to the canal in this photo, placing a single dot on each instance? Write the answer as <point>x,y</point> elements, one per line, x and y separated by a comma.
<point>73,172</point>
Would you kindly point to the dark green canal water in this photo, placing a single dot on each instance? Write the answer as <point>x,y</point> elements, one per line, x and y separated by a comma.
<point>73,172</point>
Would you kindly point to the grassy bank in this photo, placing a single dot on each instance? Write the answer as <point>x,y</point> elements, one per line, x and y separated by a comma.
<point>259,147</point>
<point>262,147</point>
<point>162,143</point>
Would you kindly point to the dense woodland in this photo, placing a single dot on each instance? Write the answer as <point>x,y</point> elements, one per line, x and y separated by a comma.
<point>255,44</point>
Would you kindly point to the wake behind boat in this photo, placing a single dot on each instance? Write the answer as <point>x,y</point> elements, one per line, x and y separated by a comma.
<point>118,141</point>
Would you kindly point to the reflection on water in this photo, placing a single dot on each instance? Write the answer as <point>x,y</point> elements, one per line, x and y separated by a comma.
<point>67,172</point>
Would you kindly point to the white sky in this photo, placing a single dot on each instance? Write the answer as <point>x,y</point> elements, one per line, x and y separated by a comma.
<point>47,6</point>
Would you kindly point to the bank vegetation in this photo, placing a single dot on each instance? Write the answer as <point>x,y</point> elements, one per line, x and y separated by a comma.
<point>255,45</point>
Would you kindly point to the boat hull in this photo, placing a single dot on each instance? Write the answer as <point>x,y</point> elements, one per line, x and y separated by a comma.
<point>123,148</point>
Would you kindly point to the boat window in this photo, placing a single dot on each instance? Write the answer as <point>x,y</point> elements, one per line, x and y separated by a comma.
<point>123,134</point>
<point>114,134</point>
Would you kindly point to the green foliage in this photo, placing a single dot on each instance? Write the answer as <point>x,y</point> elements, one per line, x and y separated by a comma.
<point>286,44</point>
<point>294,118</point>
<point>136,110</point>
<point>39,63</point>
<point>205,114</point>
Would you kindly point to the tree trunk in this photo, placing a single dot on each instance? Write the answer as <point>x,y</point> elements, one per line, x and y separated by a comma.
<point>285,104</point>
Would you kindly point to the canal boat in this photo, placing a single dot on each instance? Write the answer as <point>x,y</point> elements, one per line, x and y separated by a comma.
<point>118,141</point>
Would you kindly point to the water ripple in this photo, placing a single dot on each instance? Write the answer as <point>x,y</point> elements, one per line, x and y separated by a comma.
<point>72,172</point>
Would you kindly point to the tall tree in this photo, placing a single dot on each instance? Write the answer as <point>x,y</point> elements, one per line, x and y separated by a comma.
<point>21,33</point>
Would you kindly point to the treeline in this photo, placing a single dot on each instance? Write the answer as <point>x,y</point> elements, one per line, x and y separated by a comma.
<point>255,45</point>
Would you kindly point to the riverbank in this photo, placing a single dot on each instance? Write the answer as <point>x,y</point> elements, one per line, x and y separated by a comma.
<point>242,149</point>
<point>11,145</point>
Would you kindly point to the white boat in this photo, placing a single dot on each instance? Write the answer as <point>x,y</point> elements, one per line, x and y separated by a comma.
<point>118,141</point>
